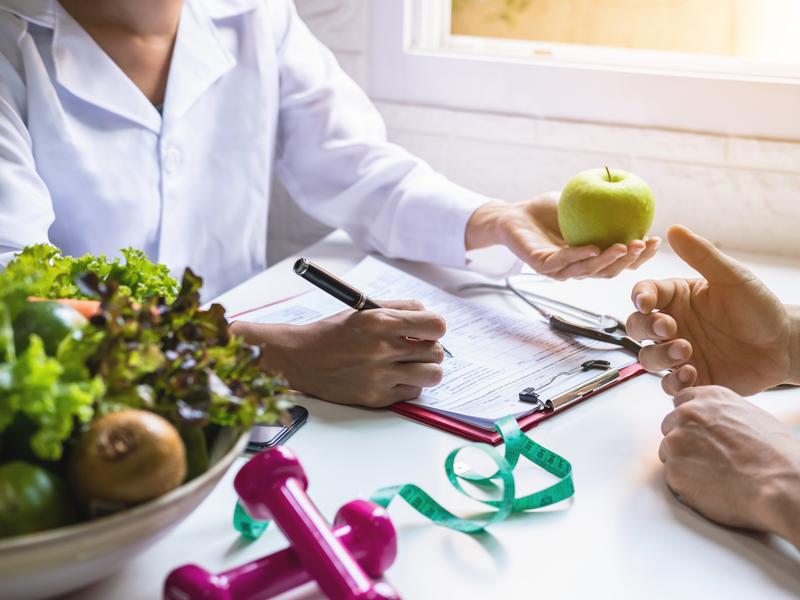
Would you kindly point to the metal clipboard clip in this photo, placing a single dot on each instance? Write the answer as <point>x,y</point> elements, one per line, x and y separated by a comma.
<point>571,396</point>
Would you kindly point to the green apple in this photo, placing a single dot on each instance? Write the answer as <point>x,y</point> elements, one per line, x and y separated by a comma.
<point>603,207</point>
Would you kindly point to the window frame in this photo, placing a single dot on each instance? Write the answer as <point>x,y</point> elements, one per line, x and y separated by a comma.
<point>422,63</point>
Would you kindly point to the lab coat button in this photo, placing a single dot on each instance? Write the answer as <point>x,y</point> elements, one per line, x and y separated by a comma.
<point>172,160</point>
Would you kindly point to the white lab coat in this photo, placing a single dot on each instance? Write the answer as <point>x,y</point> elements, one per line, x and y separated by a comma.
<point>88,163</point>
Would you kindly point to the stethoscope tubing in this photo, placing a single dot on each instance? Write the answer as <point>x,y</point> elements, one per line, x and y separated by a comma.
<point>559,323</point>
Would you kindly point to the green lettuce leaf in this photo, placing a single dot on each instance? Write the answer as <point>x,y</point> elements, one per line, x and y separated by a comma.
<point>176,359</point>
<point>34,385</point>
<point>42,270</point>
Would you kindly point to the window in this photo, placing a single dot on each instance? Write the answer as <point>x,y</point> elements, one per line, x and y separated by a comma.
<point>730,67</point>
<point>765,30</point>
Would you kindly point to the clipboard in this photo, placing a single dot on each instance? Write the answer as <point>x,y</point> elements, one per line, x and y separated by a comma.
<point>468,431</point>
<point>425,416</point>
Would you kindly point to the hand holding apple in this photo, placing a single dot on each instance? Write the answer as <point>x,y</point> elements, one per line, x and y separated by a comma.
<point>602,207</point>
<point>530,230</point>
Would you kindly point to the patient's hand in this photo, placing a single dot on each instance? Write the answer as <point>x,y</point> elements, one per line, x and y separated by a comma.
<point>363,357</point>
<point>733,462</point>
<point>725,329</point>
<point>530,230</point>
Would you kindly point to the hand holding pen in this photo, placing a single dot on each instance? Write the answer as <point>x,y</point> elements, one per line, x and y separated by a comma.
<point>360,357</point>
<point>341,290</point>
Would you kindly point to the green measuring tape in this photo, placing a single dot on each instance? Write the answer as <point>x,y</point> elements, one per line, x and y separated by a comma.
<point>516,444</point>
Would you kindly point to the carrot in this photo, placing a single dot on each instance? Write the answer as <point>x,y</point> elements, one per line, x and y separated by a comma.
<point>88,308</point>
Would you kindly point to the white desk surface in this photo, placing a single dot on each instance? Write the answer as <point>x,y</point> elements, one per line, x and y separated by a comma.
<point>623,536</point>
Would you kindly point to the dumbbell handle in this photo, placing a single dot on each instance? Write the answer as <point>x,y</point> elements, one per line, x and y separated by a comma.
<point>269,576</point>
<point>264,578</point>
<point>316,546</point>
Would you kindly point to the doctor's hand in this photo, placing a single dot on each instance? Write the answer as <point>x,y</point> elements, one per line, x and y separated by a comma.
<point>356,357</point>
<point>732,462</point>
<point>530,230</point>
<point>726,328</point>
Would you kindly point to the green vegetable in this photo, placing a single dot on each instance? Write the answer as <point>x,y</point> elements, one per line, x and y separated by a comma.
<point>7,348</point>
<point>32,499</point>
<point>42,270</point>
<point>39,387</point>
<point>175,359</point>
<point>150,346</point>
<point>194,441</point>
<point>51,321</point>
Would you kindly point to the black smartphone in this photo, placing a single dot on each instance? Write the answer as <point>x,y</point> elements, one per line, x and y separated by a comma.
<point>268,436</point>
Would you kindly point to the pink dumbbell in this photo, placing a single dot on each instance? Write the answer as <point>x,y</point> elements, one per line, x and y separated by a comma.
<point>362,527</point>
<point>272,485</point>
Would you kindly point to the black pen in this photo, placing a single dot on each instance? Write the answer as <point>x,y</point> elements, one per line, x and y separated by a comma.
<point>337,288</point>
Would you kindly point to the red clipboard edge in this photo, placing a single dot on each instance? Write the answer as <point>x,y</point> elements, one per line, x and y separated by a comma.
<point>477,434</point>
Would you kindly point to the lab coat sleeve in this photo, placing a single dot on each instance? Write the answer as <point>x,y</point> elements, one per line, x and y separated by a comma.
<point>335,160</point>
<point>26,211</point>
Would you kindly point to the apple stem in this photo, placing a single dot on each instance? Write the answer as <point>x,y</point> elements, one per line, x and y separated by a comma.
<point>609,174</point>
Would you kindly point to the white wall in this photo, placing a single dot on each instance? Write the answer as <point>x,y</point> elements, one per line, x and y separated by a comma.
<point>743,193</point>
<point>342,25</point>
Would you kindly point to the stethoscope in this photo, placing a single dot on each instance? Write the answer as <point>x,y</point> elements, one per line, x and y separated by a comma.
<point>576,321</point>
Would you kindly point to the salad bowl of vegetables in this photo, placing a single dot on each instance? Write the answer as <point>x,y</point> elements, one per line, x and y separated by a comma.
<point>122,404</point>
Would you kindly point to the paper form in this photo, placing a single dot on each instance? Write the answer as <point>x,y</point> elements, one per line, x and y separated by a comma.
<point>496,355</point>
